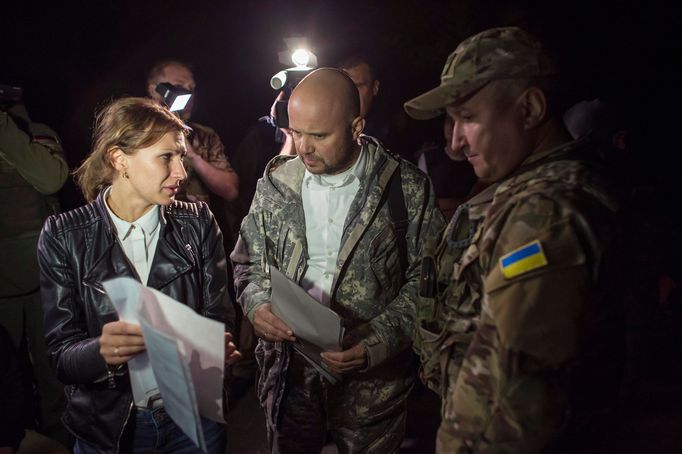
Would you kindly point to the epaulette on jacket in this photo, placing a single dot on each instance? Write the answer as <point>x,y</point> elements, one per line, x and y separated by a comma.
<point>76,219</point>
<point>180,208</point>
<point>278,161</point>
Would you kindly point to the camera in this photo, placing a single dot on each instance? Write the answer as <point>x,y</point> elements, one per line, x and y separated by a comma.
<point>286,80</point>
<point>174,97</point>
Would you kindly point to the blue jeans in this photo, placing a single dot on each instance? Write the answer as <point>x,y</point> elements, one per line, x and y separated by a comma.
<point>153,431</point>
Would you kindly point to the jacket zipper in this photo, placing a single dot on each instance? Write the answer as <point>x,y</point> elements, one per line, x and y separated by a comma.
<point>118,439</point>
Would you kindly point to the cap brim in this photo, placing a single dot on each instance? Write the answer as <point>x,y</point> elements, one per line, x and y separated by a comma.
<point>432,103</point>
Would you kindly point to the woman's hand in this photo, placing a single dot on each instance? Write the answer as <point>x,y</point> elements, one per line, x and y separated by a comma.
<point>232,355</point>
<point>120,341</point>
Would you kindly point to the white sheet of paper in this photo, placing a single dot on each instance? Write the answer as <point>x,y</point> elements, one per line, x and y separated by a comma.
<point>308,319</point>
<point>127,300</point>
<point>176,386</point>
<point>200,340</point>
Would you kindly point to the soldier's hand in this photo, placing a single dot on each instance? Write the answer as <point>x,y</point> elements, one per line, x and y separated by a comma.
<point>346,360</point>
<point>232,355</point>
<point>120,341</point>
<point>191,154</point>
<point>270,327</point>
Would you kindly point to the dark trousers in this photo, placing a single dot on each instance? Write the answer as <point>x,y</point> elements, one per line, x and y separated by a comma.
<point>23,318</point>
<point>311,406</point>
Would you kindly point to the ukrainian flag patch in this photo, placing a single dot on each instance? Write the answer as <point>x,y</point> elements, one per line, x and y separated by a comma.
<point>522,260</point>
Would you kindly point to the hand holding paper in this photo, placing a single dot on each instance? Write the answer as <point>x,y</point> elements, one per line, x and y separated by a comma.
<point>345,361</point>
<point>120,341</point>
<point>270,327</point>
<point>232,355</point>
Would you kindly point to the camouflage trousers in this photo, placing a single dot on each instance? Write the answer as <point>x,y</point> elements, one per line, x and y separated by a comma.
<point>312,407</point>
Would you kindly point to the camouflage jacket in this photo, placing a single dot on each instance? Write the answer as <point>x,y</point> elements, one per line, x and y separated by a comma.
<point>32,169</point>
<point>448,314</point>
<point>542,358</point>
<point>368,290</point>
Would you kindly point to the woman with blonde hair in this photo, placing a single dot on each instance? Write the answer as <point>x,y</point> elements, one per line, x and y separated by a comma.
<point>132,226</point>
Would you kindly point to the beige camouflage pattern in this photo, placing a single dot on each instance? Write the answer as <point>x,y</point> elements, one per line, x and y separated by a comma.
<point>367,289</point>
<point>497,53</point>
<point>447,321</point>
<point>539,332</point>
<point>207,144</point>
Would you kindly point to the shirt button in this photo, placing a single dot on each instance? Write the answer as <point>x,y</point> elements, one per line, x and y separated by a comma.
<point>331,221</point>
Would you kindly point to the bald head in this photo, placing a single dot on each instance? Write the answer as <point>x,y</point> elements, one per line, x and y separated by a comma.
<point>325,121</point>
<point>330,91</point>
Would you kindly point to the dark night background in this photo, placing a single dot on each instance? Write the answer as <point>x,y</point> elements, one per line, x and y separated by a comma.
<point>71,57</point>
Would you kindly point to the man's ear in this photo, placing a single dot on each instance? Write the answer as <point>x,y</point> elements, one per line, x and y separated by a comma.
<point>533,105</point>
<point>357,126</point>
<point>375,87</point>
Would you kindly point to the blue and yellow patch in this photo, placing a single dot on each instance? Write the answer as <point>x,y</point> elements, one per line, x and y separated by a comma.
<point>522,260</point>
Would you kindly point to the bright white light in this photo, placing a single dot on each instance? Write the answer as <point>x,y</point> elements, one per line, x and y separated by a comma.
<point>300,57</point>
<point>180,102</point>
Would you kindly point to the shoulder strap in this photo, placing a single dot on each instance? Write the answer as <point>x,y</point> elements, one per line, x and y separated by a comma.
<point>398,212</point>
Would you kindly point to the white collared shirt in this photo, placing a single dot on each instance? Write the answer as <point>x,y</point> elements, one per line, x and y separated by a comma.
<point>138,239</point>
<point>326,201</point>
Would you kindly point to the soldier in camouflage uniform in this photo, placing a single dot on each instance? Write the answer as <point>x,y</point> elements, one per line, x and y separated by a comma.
<point>32,169</point>
<point>519,331</point>
<point>365,410</point>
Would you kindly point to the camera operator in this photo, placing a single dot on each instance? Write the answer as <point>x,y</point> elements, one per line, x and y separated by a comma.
<point>32,169</point>
<point>208,170</point>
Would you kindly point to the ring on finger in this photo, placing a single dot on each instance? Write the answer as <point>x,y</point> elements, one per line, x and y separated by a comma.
<point>116,351</point>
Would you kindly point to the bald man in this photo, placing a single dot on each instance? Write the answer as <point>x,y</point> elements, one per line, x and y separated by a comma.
<point>323,218</point>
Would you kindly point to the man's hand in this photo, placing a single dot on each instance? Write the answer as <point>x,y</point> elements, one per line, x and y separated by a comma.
<point>270,327</point>
<point>120,341</point>
<point>346,361</point>
<point>191,154</point>
<point>232,355</point>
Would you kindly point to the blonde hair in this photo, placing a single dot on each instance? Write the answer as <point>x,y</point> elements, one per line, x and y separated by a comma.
<point>127,124</point>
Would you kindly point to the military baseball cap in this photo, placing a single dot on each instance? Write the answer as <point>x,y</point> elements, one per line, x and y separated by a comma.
<point>494,54</point>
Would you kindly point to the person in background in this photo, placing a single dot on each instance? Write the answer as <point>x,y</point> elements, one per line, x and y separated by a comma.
<point>33,169</point>
<point>452,176</point>
<point>364,76</point>
<point>208,170</point>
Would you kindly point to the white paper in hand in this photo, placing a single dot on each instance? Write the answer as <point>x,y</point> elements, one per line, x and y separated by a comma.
<point>308,319</point>
<point>199,341</point>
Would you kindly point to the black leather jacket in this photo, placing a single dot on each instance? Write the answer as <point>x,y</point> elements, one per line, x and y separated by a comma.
<point>77,251</point>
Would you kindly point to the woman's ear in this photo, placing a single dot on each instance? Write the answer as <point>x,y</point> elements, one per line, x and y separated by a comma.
<point>533,103</point>
<point>118,159</point>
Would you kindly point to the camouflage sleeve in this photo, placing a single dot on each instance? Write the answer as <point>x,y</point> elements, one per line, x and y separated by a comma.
<point>512,391</point>
<point>393,329</point>
<point>36,153</point>
<point>211,149</point>
<point>251,279</point>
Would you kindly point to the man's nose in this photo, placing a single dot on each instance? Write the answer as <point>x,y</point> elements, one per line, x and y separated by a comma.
<point>303,145</point>
<point>457,142</point>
